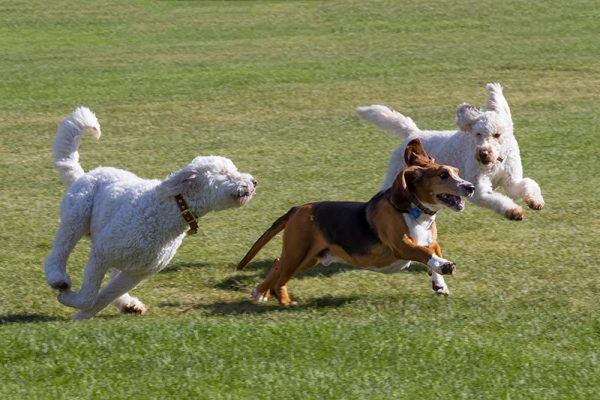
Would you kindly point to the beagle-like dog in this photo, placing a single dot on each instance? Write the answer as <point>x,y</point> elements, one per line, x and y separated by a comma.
<point>396,224</point>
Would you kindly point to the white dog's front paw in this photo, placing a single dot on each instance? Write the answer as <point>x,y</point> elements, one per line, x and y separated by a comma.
<point>515,214</point>
<point>258,297</point>
<point>535,203</point>
<point>133,306</point>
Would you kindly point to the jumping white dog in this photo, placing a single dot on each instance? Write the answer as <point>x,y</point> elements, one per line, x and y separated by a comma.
<point>136,225</point>
<point>484,149</point>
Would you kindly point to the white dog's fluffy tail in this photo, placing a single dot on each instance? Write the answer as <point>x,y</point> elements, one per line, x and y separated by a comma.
<point>390,121</point>
<point>66,143</point>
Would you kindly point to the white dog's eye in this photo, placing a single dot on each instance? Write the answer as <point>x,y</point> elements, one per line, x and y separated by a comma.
<point>496,135</point>
<point>478,134</point>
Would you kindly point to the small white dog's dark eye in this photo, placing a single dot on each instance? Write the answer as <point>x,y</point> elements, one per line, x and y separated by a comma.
<point>478,134</point>
<point>496,135</point>
<point>443,175</point>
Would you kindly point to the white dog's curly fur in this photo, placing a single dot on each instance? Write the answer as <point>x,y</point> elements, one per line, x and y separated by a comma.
<point>484,149</point>
<point>135,224</point>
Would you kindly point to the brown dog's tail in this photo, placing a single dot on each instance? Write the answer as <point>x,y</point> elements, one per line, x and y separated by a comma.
<point>269,234</point>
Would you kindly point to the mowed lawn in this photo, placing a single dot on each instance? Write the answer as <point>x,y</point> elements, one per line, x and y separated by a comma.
<point>273,86</point>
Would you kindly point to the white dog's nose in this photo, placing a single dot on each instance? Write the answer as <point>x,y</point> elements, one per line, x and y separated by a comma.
<point>485,156</point>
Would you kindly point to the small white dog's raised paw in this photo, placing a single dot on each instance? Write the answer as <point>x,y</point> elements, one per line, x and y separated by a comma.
<point>535,204</point>
<point>133,307</point>
<point>515,214</point>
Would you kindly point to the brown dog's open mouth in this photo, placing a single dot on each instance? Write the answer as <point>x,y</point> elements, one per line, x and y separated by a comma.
<point>451,201</point>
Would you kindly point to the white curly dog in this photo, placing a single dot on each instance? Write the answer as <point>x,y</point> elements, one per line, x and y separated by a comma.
<point>135,225</point>
<point>484,149</point>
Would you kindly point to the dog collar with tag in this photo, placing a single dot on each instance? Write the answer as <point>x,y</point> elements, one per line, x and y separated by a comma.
<point>419,208</point>
<point>187,214</point>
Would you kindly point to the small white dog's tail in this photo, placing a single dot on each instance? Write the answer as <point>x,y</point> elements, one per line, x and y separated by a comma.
<point>66,143</point>
<point>389,120</point>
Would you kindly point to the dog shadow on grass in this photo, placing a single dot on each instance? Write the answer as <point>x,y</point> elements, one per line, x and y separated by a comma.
<point>245,281</point>
<point>248,307</point>
<point>28,319</point>
<point>178,267</point>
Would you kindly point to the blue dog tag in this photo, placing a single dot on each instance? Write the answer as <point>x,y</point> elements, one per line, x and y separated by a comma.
<point>415,212</point>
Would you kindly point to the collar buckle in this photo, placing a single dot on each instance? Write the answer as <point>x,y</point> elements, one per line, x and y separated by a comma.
<point>187,214</point>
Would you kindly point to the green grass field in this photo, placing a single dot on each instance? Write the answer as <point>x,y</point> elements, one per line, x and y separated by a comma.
<point>273,85</point>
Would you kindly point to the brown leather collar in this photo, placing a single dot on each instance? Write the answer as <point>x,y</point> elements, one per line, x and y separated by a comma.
<point>420,206</point>
<point>187,214</point>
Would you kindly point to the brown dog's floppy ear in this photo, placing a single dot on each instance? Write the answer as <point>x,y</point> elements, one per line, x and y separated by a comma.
<point>401,188</point>
<point>415,154</point>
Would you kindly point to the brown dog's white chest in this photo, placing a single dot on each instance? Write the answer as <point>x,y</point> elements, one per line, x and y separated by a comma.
<point>419,228</point>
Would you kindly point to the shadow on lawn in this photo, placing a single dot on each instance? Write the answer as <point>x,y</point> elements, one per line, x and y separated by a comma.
<point>240,281</point>
<point>180,266</point>
<point>248,307</point>
<point>244,281</point>
<point>28,319</point>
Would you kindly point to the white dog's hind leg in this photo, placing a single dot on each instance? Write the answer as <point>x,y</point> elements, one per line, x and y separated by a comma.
<point>86,297</point>
<point>528,190</point>
<point>485,196</point>
<point>69,232</point>
<point>115,290</point>
<point>125,303</point>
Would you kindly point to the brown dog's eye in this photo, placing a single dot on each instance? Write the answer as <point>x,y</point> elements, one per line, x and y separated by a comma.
<point>496,135</point>
<point>443,175</point>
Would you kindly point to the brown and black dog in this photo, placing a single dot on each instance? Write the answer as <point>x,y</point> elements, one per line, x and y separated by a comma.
<point>396,224</point>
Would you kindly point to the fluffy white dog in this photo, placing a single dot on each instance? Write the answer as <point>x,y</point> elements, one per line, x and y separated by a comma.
<point>484,149</point>
<point>136,225</point>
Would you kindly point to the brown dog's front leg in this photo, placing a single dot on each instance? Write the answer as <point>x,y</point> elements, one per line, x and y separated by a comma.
<point>407,249</point>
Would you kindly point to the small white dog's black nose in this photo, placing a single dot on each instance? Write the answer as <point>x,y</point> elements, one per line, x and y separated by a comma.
<point>254,182</point>
<point>469,189</point>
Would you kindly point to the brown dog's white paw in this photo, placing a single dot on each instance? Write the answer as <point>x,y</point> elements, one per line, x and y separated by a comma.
<point>515,214</point>
<point>441,266</point>
<point>448,268</point>
<point>258,297</point>
<point>439,289</point>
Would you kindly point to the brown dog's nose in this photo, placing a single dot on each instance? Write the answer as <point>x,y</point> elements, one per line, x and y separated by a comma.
<point>470,189</point>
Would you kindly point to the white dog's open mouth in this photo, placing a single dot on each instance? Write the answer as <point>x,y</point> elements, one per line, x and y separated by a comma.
<point>451,201</point>
<point>243,197</point>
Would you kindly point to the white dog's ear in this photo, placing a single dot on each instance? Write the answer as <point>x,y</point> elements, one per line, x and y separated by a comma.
<point>496,101</point>
<point>177,182</point>
<point>466,116</point>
